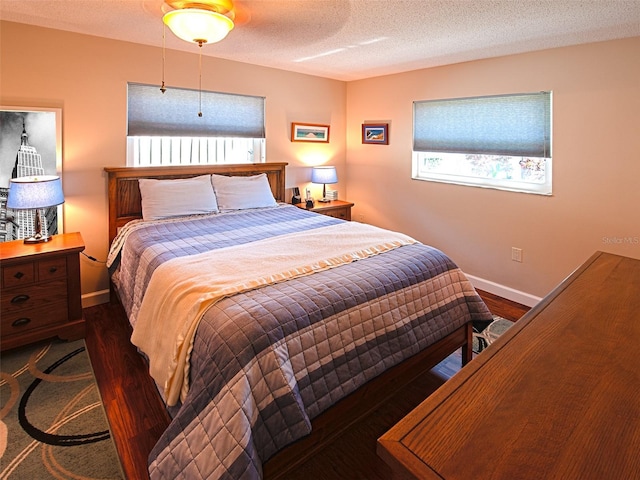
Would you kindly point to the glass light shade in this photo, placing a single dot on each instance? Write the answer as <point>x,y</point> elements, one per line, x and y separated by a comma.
<point>324,175</point>
<point>198,25</point>
<point>42,191</point>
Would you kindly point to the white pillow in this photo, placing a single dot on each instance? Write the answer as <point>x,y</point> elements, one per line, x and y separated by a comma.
<point>172,198</point>
<point>237,193</point>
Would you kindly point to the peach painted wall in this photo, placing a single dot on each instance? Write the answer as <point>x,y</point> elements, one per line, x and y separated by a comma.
<point>87,77</point>
<point>596,170</point>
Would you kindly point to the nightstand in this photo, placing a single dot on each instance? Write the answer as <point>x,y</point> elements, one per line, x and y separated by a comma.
<point>334,208</point>
<point>41,291</point>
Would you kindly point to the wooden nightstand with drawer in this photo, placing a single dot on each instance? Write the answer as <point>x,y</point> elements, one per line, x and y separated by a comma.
<point>40,295</point>
<point>334,208</point>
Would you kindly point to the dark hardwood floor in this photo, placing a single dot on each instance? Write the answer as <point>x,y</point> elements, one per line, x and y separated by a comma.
<point>132,404</point>
<point>137,416</point>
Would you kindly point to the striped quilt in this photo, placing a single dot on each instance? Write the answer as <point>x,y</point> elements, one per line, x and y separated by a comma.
<point>267,361</point>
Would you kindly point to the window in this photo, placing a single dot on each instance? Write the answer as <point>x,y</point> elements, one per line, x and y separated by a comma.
<point>148,151</point>
<point>499,142</point>
<point>166,129</point>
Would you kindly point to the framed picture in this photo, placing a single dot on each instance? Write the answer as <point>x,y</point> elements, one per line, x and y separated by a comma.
<point>309,132</point>
<point>30,144</point>
<point>375,133</point>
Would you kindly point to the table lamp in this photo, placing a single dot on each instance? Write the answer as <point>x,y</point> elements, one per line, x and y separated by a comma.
<point>324,175</point>
<point>34,193</point>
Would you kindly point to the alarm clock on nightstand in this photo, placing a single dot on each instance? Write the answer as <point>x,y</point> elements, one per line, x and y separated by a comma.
<point>296,196</point>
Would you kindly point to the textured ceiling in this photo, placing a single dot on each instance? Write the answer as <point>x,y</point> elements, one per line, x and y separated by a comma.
<point>354,39</point>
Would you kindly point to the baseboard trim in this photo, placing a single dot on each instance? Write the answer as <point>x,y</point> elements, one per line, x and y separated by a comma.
<point>504,291</point>
<point>95,298</point>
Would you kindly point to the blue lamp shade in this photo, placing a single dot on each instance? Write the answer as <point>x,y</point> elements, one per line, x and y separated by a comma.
<point>34,193</point>
<point>324,175</point>
<point>27,193</point>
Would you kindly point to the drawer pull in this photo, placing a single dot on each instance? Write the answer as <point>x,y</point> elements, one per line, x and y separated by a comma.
<point>53,269</point>
<point>20,299</point>
<point>21,322</point>
<point>19,275</point>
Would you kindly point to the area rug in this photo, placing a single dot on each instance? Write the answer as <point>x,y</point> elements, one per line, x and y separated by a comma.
<point>52,422</point>
<point>452,364</point>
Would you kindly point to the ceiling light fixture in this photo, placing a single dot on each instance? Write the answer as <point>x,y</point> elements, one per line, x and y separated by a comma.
<point>200,22</point>
<point>198,25</point>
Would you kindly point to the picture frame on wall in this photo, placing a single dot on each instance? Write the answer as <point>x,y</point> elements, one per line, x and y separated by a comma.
<point>375,133</point>
<point>309,132</point>
<point>30,145</point>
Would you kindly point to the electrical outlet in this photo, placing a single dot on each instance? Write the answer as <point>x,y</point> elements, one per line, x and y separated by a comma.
<point>361,218</point>
<point>516,254</point>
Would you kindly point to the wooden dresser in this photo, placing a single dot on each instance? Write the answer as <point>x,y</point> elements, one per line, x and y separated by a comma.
<point>40,296</point>
<point>556,397</point>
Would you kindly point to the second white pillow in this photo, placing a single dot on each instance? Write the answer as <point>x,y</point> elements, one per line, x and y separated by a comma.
<point>238,193</point>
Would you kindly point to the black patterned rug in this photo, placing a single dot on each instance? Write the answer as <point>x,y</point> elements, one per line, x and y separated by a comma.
<point>52,422</point>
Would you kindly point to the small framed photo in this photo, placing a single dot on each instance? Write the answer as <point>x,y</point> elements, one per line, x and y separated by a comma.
<point>309,132</point>
<point>375,133</point>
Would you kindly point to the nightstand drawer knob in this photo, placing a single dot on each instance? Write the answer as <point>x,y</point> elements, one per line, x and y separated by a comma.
<point>53,269</point>
<point>19,275</point>
<point>20,299</point>
<point>21,322</point>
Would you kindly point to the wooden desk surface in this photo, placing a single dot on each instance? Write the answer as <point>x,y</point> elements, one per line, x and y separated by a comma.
<point>556,397</point>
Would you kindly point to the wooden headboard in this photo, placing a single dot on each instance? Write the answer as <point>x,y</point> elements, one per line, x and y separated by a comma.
<point>125,203</point>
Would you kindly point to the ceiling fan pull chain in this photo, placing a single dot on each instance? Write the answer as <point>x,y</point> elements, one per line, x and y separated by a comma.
<point>164,29</point>
<point>200,78</point>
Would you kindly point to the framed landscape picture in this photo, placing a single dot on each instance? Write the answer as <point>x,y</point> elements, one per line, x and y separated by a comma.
<point>375,133</point>
<point>309,132</point>
<point>30,145</point>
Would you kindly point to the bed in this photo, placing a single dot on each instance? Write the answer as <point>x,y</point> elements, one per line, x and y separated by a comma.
<point>270,329</point>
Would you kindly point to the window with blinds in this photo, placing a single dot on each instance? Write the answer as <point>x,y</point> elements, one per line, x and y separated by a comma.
<point>497,141</point>
<point>166,129</point>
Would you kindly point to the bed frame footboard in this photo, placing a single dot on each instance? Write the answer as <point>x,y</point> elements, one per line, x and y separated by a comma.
<point>337,419</point>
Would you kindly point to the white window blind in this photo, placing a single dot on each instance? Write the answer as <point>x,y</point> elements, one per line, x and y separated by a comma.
<point>175,113</point>
<point>514,125</point>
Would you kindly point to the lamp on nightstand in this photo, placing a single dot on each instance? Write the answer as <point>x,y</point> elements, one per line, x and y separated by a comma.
<point>34,193</point>
<point>324,175</point>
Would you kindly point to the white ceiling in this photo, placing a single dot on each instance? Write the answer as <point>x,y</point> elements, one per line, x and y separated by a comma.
<point>354,39</point>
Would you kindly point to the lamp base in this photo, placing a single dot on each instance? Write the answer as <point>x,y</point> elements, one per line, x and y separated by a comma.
<point>325,200</point>
<point>37,238</point>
